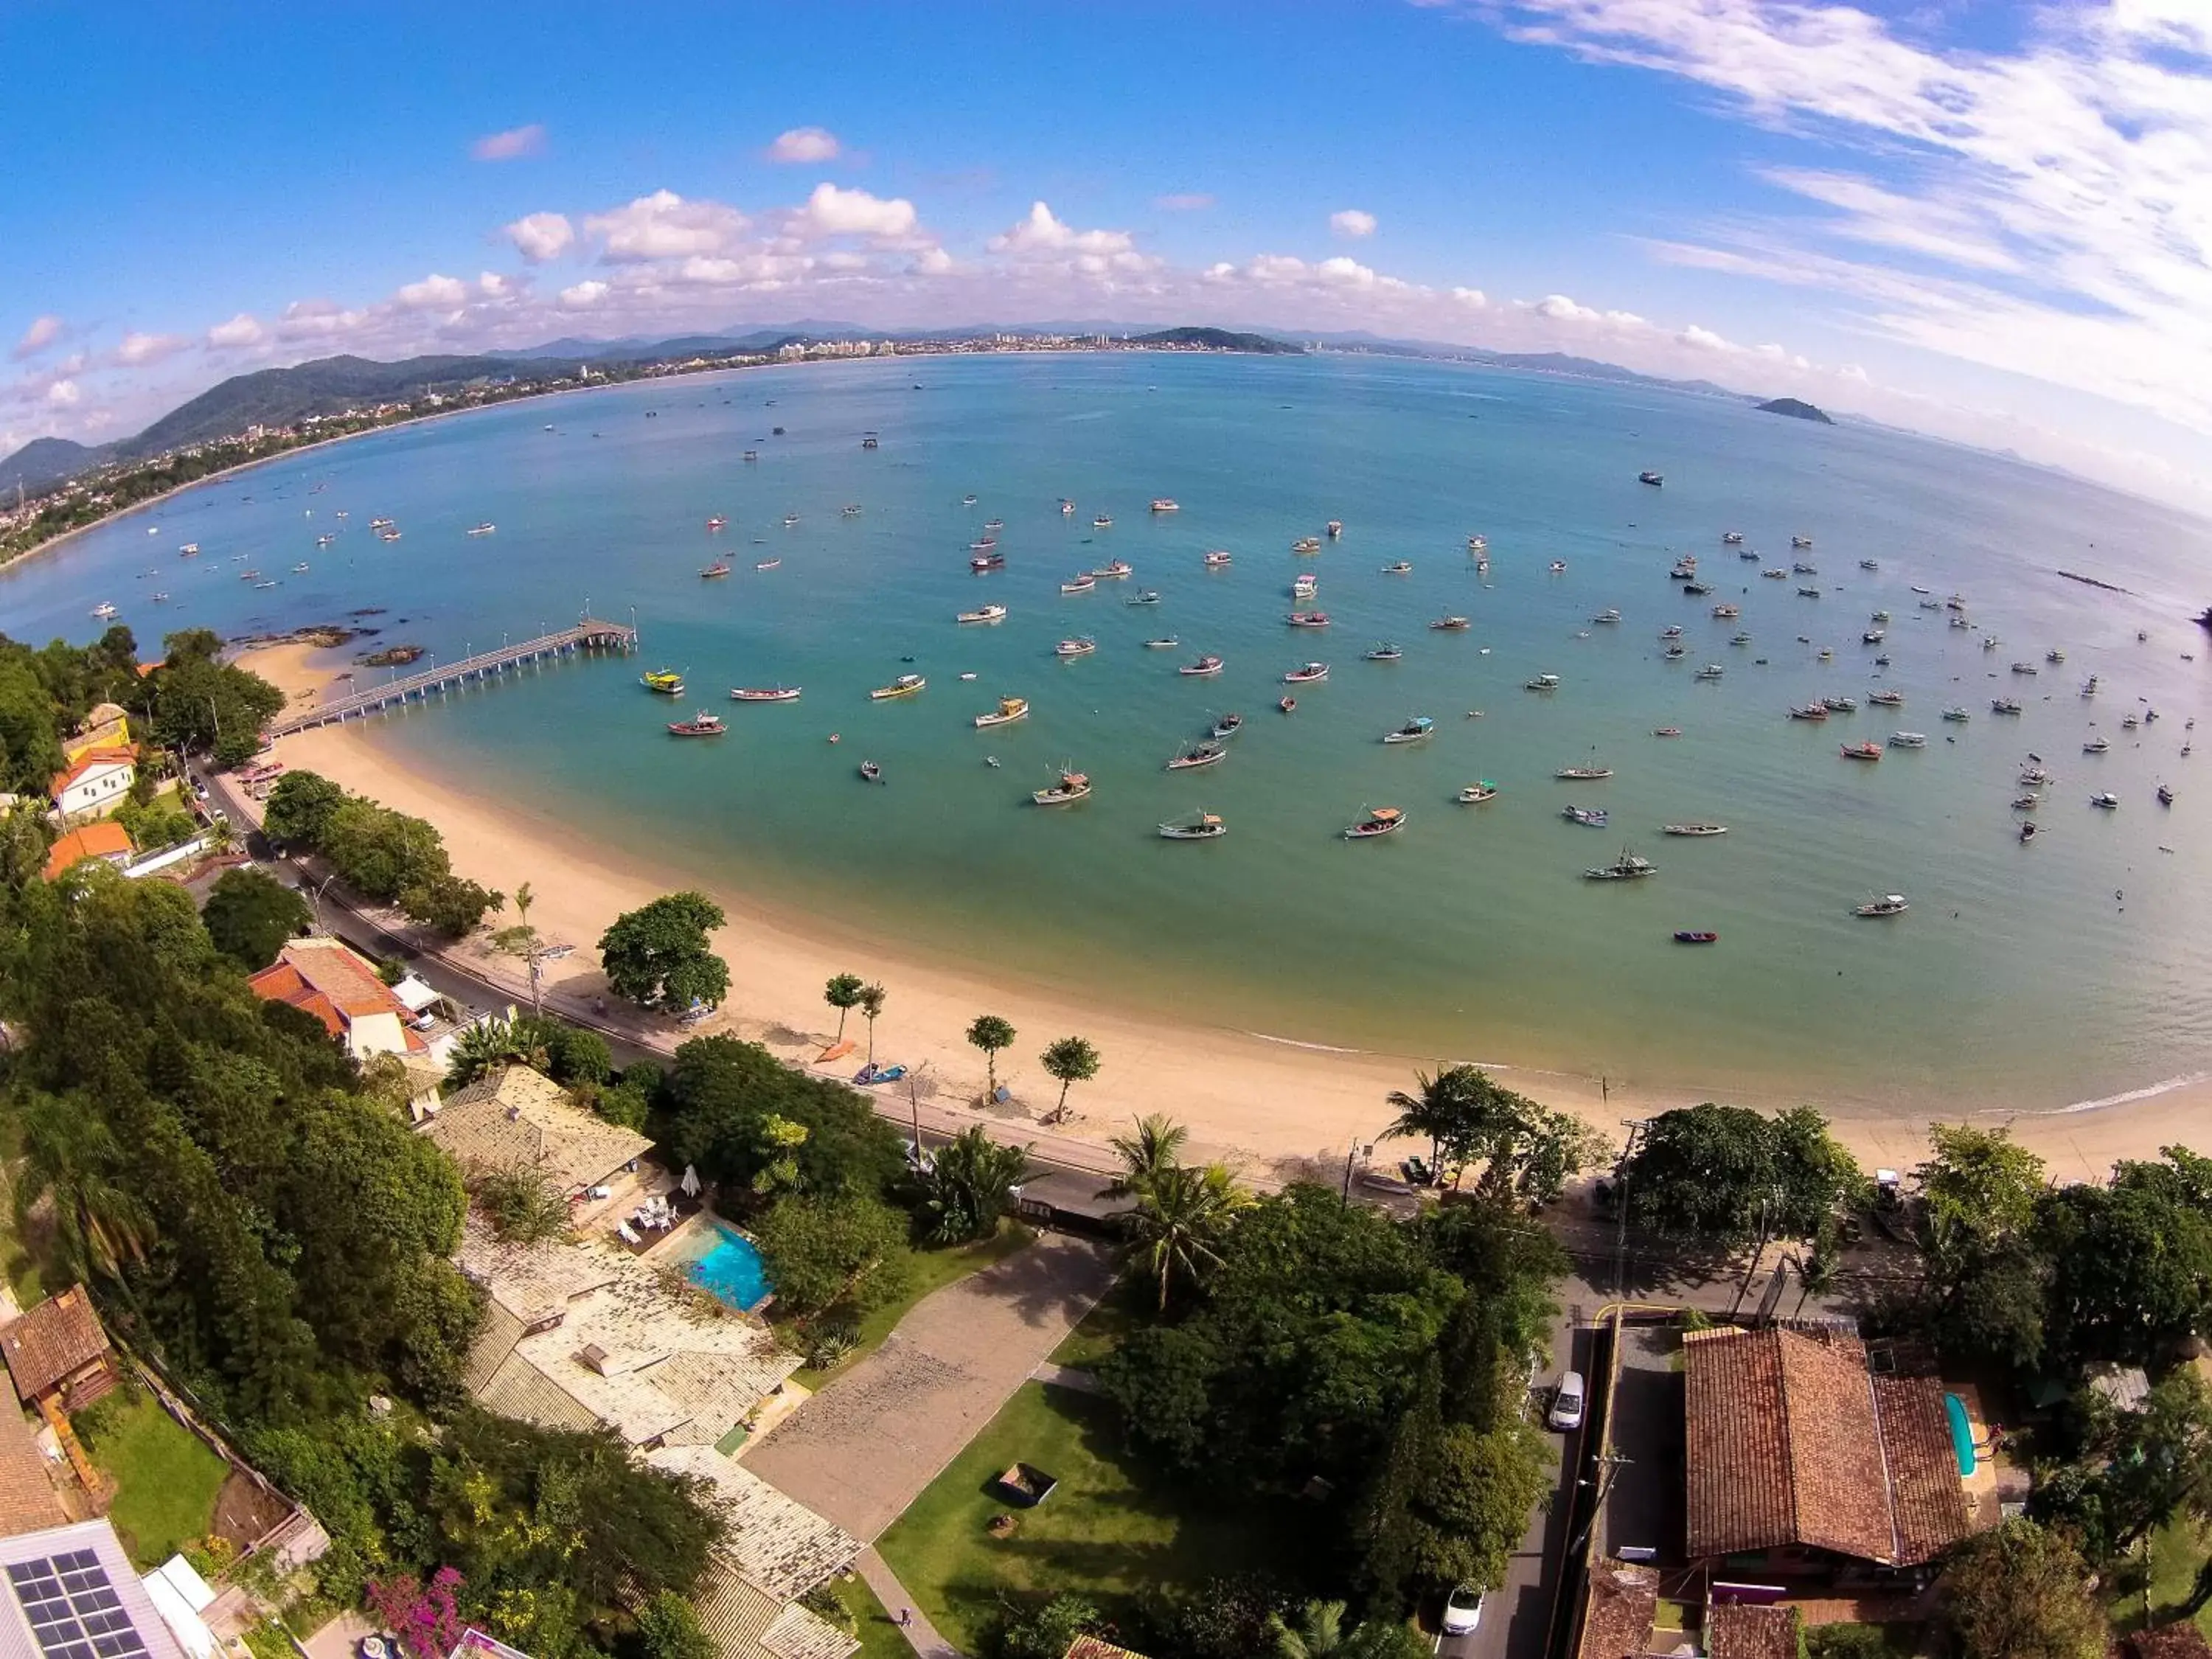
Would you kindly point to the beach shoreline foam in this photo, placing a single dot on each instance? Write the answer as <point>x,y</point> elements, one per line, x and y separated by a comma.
<point>1272,1101</point>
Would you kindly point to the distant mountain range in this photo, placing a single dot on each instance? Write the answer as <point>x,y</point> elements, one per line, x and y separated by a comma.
<point>281,397</point>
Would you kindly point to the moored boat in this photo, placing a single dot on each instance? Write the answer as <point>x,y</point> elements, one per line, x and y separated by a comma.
<point>1712,671</point>
<point>1382,821</point>
<point>1218,560</point>
<point>1308,619</point>
<point>1887,699</point>
<point>768,564</point>
<point>989,613</point>
<point>1206,826</point>
<point>1144,596</point>
<point>1889,904</point>
<point>1167,643</point>
<point>1081,645</point>
<point>1070,786</point>
<point>1202,754</point>
<point>871,773</point>
<point>1908,740</point>
<point>1402,567</point>
<point>1165,504</point>
<point>1541,682</point>
<point>666,681</point>
<point>765,694</point>
<point>1082,584</point>
<point>2003,706</point>
<point>1869,750</point>
<point>983,562</point>
<point>1009,710</point>
<point>1653,479</point>
<point>1582,773</point>
<point>1415,730</point>
<point>1591,817</point>
<point>1205,667</point>
<point>1113,570</point>
<point>1449,625</point>
<point>1386,652</point>
<point>2105,799</point>
<point>1627,867</point>
<point>1696,936</point>
<point>1957,715</point>
<point>701,724</point>
<point>1811,711</point>
<point>1693,829</point>
<point>1228,725</point>
<point>1334,527</point>
<point>1477,793</point>
<point>1306,674</point>
<point>720,568</point>
<point>483,529</point>
<point>904,686</point>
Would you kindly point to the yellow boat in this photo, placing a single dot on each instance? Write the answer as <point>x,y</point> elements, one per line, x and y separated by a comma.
<point>665,681</point>
<point>904,686</point>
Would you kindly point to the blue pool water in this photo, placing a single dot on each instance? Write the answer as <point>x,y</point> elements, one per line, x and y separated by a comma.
<point>731,1271</point>
<point>1962,1433</point>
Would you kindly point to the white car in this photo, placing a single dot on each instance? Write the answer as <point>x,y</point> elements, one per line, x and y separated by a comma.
<point>1462,1610</point>
<point>1567,1402</point>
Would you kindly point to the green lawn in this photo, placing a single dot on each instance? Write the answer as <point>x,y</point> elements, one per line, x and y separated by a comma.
<point>2177,1550</point>
<point>1102,1330</point>
<point>880,1638</point>
<point>165,1479</point>
<point>1111,1529</point>
<point>933,1271</point>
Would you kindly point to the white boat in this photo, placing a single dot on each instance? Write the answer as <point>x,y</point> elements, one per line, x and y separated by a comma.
<point>1606,617</point>
<point>1167,644</point>
<point>1477,794</point>
<point>1627,867</point>
<point>1334,527</point>
<point>1102,522</point>
<point>1591,817</point>
<point>1218,560</point>
<point>191,548</point>
<point>765,693</point>
<point>103,610</point>
<point>1693,829</point>
<point>1307,619</point>
<point>1071,786</point>
<point>1908,740</point>
<point>1113,570</point>
<point>1712,671</point>
<point>1204,668</point>
<point>1082,645</point>
<point>1449,625</point>
<point>1164,504</point>
<point>1082,584</point>
<point>1890,904</point>
<point>1887,699</point>
<point>1307,674</point>
<point>2106,799</point>
<point>1228,725</point>
<point>1386,652</point>
<point>1582,773</point>
<point>1416,729</point>
<point>1542,682</point>
<point>1960,716</point>
<point>1800,541</point>
<point>1726,613</point>
<point>1731,539</point>
<point>2096,746</point>
<point>1009,710</point>
<point>1306,544</point>
<point>1305,585</point>
<point>1402,567</point>
<point>1206,826</point>
<point>1741,639</point>
<point>989,613</point>
<point>1382,821</point>
<point>1198,755</point>
<point>483,529</point>
<point>2003,706</point>
<point>1147,596</point>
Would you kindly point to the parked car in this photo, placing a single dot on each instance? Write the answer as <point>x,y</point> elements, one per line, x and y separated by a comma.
<point>1567,1402</point>
<point>1463,1610</point>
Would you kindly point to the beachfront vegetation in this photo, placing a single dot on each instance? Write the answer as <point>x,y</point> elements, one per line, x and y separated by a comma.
<point>383,856</point>
<point>1523,1150</point>
<point>1731,1175</point>
<point>843,994</point>
<point>842,1249</point>
<point>722,1098</point>
<point>969,1186</point>
<point>568,1054</point>
<point>659,955</point>
<point>1070,1060</point>
<point>200,705</point>
<point>870,1001</point>
<point>1173,1235</point>
<point>250,916</point>
<point>991,1033</point>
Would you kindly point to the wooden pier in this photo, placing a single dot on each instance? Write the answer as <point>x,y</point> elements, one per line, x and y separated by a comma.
<point>588,635</point>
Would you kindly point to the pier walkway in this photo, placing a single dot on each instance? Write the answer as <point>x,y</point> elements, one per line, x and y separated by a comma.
<point>588,635</point>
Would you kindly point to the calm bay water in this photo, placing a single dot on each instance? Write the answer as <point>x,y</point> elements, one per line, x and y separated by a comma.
<point>2024,974</point>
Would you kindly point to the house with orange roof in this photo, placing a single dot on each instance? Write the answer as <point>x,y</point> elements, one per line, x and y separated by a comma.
<point>327,978</point>
<point>102,838</point>
<point>95,783</point>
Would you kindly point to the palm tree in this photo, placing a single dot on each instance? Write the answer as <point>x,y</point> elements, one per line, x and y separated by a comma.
<point>69,1155</point>
<point>872,999</point>
<point>990,1034</point>
<point>1179,1220</point>
<point>1072,1060</point>
<point>524,898</point>
<point>494,1042</point>
<point>1147,1154</point>
<point>1441,1110</point>
<point>971,1181</point>
<point>1319,1633</point>
<point>843,994</point>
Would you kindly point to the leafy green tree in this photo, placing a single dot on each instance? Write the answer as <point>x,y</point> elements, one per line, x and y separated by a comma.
<point>578,1054</point>
<point>299,809</point>
<point>721,1093</point>
<point>970,1186</point>
<point>30,740</point>
<point>871,1003</point>
<point>449,904</point>
<point>1473,1501</point>
<point>1390,1534</point>
<point>846,1249</point>
<point>1727,1173</point>
<point>659,955</point>
<point>382,853</point>
<point>1148,1154</point>
<point>1070,1060</point>
<point>843,994</point>
<point>520,1204</point>
<point>2131,1271</point>
<point>990,1033</point>
<point>485,1045</point>
<point>201,706</point>
<point>1175,1232</point>
<point>668,1629</point>
<point>250,916</point>
<point>71,1157</point>
<point>1048,1632</point>
<point>1317,1632</point>
<point>2022,1592</point>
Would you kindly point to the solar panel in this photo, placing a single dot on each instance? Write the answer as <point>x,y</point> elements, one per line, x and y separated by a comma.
<point>73,1609</point>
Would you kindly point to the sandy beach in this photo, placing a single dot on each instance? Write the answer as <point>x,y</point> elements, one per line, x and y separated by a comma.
<point>1271,1104</point>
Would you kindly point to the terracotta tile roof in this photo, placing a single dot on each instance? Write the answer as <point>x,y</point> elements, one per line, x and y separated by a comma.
<point>347,978</point>
<point>1097,1647</point>
<point>103,838</point>
<point>1618,1609</point>
<point>1751,1632</point>
<point>45,1345</point>
<point>515,1115</point>
<point>280,981</point>
<point>1793,1442</point>
<point>28,1502</point>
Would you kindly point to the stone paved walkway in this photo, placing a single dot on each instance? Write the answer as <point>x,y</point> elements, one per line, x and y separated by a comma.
<point>1065,1377</point>
<point>921,1635</point>
<point>863,1449</point>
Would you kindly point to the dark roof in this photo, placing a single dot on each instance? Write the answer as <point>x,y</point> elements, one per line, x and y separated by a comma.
<point>1737,1631</point>
<point>1618,1608</point>
<point>1793,1441</point>
<point>28,1502</point>
<point>62,1334</point>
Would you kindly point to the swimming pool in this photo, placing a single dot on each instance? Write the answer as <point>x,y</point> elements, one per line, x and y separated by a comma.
<point>1962,1433</point>
<point>731,1271</point>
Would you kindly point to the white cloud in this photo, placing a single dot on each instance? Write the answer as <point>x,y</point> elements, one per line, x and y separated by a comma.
<point>139,349</point>
<point>241,331</point>
<point>311,319</point>
<point>511,145</point>
<point>933,262</point>
<point>542,236</point>
<point>63,394</point>
<point>1352,222</point>
<point>664,226</point>
<point>830,211</point>
<point>806,144</point>
<point>1473,298</point>
<point>585,294</point>
<point>1703,338</point>
<point>433,292</point>
<point>1041,233</point>
<point>1194,201</point>
<point>493,286</point>
<point>43,332</point>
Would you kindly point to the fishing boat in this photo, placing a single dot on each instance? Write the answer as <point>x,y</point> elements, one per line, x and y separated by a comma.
<point>1840,705</point>
<point>379,524</point>
<point>1696,936</point>
<point>989,613</point>
<point>2003,706</point>
<point>1776,574</point>
<point>720,568</point>
<point>1712,671</point>
<point>1750,553</point>
<point>1957,715</point>
<point>1870,564</point>
<point>1591,817</point>
<point>750,455</point>
<point>1541,682</point>
<point>2036,775</point>
<point>1306,544</point>
<point>1666,730</point>
<point>103,610</point>
<point>1478,544</point>
<point>2096,746</point>
<point>984,545</point>
<point>1306,674</point>
<point>1808,593</point>
<point>1416,729</point>
<point>1308,619</point>
<point>1197,755</point>
<point>2024,668</point>
<point>1066,507</point>
<point>991,526</point>
<point>1872,636</point>
<point>1144,596</point>
<point>1726,612</point>
<point>1081,645</point>
<point>768,564</point>
<point>1379,822</point>
<point>1887,699</point>
<point>1653,479</point>
<point>1113,570</point>
<point>871,773</point>
<point>1697,590</point>
<point>1165,504</point>
<point>2026,803</point>
<point>1102,522</point>
<point>665,681</point>
<point>1204,668</point>
<point>1908,740</point>
<point>2129,723</point>
<point>483,529</point>
<point>1402,567</point>
<point>1167,643</point>
<point>1868,751</point>
<point>191,548</point>
<point>2054,655</point>
<point>1741,638</point>
<point>1890,904</point>
<point>1684,570</point>
<point>2165,795</point>
<point>1606,618</point>
<point>1070,786</point>
<point>1800,541</point>
<point>1580,774</point>
<point>1672,631</point>
<point>2089,686</point>
<point>790,519</point>
<point>1956,602</point>
<point>301,568</point>
<point>1731,539</point>
<point>160,599</point>
<point>850,510</point>
<point>1009,710</point>
<point>1082,584</point>
<point>1449,625</point>
<point>2106,799</point>
<point>1386,652</point>
<point>1206,826</point>
<point>1218,560</point>
<point>967,500</point>
<point>1802,568</point>
<point>1228,725</point>
<point>1674,653</point>
<point>701,724</point>
<point>1811,711</point>
<point>1627,867</point>
<point>765,693</point>
<point>1304,586</point>
<point>1693,829</point>
<point>904,686</point>
<point>1334,527</point>
<point>1558,566</point>
<point>1476,794</point>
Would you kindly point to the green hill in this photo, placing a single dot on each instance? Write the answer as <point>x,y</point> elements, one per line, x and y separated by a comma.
<point>1217,339</point>
<point>1795,410</point>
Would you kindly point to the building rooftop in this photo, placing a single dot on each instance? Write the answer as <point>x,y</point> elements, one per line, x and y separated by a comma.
<point>1621,1603</point>
<point>516,1116</point>
<point>28,1502</point>
<point>45,1344</point>
<point>89,761</point>
<point>71,1593</point>
<point>773,1542</point>
<point>333,969</point>
<point>1794,1441</point>
<point>103,838</point>
<point>1736,1631</point>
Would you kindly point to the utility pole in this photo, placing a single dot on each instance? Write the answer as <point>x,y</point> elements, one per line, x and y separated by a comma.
<point>1635,1126</point>
<point>1609,1467</point>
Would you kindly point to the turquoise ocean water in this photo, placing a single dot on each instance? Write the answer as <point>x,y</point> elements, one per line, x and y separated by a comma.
<point>2033,976</point>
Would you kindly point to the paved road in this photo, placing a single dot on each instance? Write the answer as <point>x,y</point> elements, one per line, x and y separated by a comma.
<point>864,1447</point>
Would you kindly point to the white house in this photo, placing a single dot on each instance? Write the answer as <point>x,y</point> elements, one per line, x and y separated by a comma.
<point>95,783</point>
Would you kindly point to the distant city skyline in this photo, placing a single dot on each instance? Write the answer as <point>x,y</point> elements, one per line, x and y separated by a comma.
<point>1986,222</point>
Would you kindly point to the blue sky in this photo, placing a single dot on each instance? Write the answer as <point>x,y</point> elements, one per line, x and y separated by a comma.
<point>1985,222</point>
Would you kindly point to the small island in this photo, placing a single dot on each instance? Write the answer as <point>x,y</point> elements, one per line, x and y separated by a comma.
<point>1215,339</point>
<point>1796,409</point>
